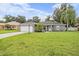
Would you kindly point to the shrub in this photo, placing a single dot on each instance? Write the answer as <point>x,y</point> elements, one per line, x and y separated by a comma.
<point>7,26</point>
<point>38,27</point>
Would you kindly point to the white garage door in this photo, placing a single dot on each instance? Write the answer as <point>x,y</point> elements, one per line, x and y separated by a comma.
<point>31,29</point>
<point>26,28</point>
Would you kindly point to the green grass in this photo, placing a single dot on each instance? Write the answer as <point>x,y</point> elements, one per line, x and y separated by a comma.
<point>7,31</point>
<point>41,44</point>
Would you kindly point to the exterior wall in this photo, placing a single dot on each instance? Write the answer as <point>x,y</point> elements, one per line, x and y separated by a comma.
<point>50,28</point>
<point>1,27</point>
<point>59,28</point>
<point>62,28</point>
<point>15,27</point>
<point>18,27</point>
<point>54,28</point>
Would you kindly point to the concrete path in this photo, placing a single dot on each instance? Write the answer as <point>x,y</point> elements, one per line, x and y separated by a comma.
<point>10,34</point>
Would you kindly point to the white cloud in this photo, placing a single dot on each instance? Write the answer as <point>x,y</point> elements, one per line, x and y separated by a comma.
<point>21,9</point>
<point>56,6</point>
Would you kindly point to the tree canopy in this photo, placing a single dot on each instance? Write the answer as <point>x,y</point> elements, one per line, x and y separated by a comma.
<point>21,19</point>
<point>64,14</point>
<point>36,19</point>
<point>10,18</point>
<point>77,20</point>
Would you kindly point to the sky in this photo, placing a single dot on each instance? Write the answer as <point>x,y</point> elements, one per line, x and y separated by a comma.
<point>32,9</point>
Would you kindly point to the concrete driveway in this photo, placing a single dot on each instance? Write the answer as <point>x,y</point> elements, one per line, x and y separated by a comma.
<point>10,34</point>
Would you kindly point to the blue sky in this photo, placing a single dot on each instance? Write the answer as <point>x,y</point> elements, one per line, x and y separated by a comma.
<point>29,10</point>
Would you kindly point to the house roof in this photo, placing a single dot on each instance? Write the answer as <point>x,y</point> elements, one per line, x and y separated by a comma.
<point>44,23</point>
<point>52,23</point>
<point>28,23</point>
<point>13,23</point>
<point>2,23</point>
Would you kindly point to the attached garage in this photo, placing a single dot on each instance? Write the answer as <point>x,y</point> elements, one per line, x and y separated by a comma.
<point>27,27</point>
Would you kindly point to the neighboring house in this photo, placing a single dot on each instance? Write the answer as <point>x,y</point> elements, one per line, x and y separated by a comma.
<point>2,26</point>
<point>13,25</point>
<point>47,26</point>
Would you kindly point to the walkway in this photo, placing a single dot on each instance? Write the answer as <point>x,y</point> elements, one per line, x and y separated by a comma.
<point>9,34</point>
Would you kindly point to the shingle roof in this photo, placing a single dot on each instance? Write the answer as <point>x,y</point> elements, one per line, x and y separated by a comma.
<point>51,23</point>
<point>44,23</point>
<point>13,23</point>
<point>28,23</point>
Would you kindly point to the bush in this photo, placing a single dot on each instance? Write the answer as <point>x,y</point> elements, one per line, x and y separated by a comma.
<point>8,27</point>
<point>38,27</point>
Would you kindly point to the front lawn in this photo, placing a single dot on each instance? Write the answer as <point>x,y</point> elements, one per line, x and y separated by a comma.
<point>7,31</point>
<point>41,44</point>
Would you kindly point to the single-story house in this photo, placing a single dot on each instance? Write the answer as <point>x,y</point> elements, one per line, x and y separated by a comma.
<point>47,26</point>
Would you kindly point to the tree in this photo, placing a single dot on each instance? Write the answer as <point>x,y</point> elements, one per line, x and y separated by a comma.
<point>36,19</point>
<point>21,19</point>
<point>77,23</point>
<point>56,15</point>
<point>77,20</point>
<point>65,14</point>
<point>71,15</point>
<point>9,18</point>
